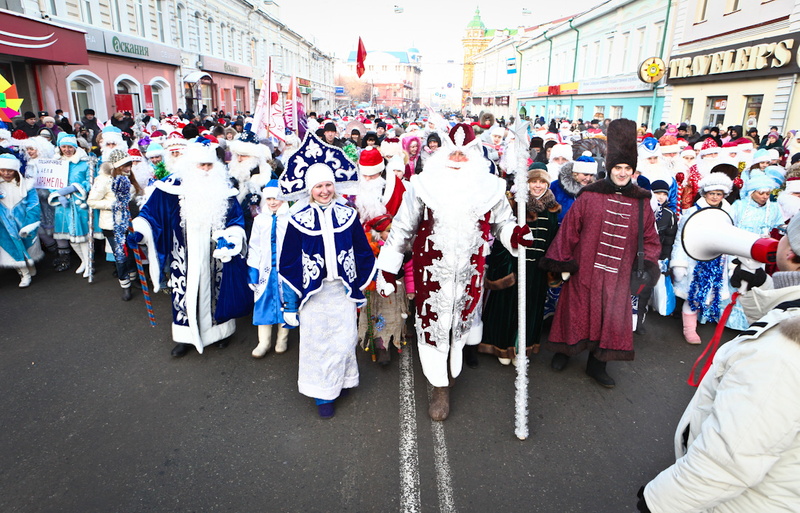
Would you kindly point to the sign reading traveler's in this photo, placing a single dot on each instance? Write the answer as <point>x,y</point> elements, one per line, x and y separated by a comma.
<point>777,55</point>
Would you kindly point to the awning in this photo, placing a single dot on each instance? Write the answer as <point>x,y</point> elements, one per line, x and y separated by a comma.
<point>316,95</point>
<point>42,41</point>
<point>196,76</point>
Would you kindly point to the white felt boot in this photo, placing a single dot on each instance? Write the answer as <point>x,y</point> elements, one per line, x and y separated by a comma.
<point>282,344</point>
<point>82,249</point>
<point>264,341</point>
<point>25,277</point>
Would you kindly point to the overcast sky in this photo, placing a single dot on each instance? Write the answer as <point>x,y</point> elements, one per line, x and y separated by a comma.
<point>435,27</point>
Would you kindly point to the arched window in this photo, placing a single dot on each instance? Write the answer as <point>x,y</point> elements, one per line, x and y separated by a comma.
<point>198,25</point>
<point>211,35</point>
<point>162,101</point>
<point>180,14</point>
<point>232,44</point>
<point>128,85</point>
<point>86,91</point>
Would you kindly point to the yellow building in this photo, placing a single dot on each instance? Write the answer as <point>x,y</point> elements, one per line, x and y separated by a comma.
<point>476,39</point>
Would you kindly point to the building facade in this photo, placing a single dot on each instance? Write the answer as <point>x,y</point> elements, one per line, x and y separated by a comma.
<point>578,67</point>
<point>162,56</point>
<point>393,78</point>
<point>735,63</point>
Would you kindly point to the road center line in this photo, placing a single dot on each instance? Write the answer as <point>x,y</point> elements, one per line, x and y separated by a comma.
<point>443,475</point>
<point>409,454</point>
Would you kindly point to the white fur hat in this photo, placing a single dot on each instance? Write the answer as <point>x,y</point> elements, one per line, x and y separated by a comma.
<point>396,163</point>
<point>498,130</point>
<point>773,154</point>
<point>318,173</point>
<point>561,150</point>
<point>792,185</point>
<point>688,152</point>
<point>9,161</point>
<point>200,154</point>
<point>247,148</point>
<point>715,182</point>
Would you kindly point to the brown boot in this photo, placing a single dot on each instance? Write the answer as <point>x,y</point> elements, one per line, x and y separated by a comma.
<point>440,403</point>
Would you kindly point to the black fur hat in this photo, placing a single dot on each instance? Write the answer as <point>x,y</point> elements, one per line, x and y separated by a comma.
<point>621,144</point>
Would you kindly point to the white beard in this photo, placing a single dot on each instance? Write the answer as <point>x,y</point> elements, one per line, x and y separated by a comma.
<point>204,197</point>
<point>241,171</point>
<point>704,165</point>
<point>106,153</point>
<point>554,170</point>
<point>649,170</point>
<point>369,198</point>
<point>172,163</point>
<point>142,172</point>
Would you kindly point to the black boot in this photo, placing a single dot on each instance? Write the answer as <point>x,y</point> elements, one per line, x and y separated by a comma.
<point>61,262</point>
<point>180,350</point>
<point>559,361</point>
<point>597,371</point>
<point>640,329</point>
<point>471,356</point>
<point>126,294</point>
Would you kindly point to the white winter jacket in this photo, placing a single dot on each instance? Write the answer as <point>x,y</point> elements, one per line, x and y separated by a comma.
<point>738,442</point>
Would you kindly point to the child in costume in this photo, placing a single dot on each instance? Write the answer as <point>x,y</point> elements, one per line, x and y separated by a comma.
<point>266,240</point>
<point>19,220</point>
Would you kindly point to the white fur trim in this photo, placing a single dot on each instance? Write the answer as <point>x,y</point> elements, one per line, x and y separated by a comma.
<point>792,186</point>
<point>371,170</point>
<point>587,168</point>
<point>141,225</point>
<point>561,150</point>
<point>31,228</point>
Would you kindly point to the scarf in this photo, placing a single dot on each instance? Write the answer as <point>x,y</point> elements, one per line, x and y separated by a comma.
<point>121,187</point>
<point>536,206</point>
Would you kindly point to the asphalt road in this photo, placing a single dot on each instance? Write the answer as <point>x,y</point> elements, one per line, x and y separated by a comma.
<point>97,417</point>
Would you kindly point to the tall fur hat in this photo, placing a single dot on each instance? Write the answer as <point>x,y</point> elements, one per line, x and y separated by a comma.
<point>621,140</point>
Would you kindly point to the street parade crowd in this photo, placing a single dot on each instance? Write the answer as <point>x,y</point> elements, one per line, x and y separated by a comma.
<point>357,227</point>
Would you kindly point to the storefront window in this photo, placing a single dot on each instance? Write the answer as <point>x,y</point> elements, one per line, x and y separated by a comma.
<point>644,114</point>
<point>599,112</point>
<point>206,92</point>
<point>616,111</point>
<point>715,107</point>
<point>686,112</point>
<point>579,112</point>
<point>752,111</point>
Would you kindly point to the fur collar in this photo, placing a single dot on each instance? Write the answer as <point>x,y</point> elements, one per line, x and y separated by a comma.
<point>569,184</point>
<point>537,206</point>
<point>606,186</point>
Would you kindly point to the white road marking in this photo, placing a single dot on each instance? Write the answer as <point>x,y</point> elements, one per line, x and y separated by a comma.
<point>443,475</point>
<point>409,454</point>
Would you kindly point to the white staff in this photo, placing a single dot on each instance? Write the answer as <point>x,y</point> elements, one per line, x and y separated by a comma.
<point>90,263</point>
<point>517,162</point>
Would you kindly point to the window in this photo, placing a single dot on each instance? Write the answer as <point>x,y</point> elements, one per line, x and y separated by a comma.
<point>700,13</point>
<point>116,20</point>
<point>205,92</point>
<point>239,98</point>
<point>640,46</point>
<point>733,6</point>
<point>752,111</point>
<point>196,23</point>
<point>253,52</point>
<point>86,11</point>
<point>160,20</point>
<point>52,8</point>
<point>659,36</point>
<point>211,35</point>
<point>599,112</point>
<point>596,58</point>
<point>626,37</point>
<point>80,92</point>
<point>616,111</point>
<point>609,54</point>
<point>686,111</point>
<point>180,13</point>
<point>578,112</point>
<point>644,115</point>
<point>139,13</point>
<point>586,59</point>
<point>225,51</point>
<point>715,110</point>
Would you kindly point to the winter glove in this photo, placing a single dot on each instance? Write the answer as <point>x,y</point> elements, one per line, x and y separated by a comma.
<point>641,505</point>
<point>290,319</point>
<point>134,238</point>
<point>69,189</point>
<point>679,273</point>
<point>386,283</point>
<point>23,234</point>
<point>64,201</point>
<point>745,273</point>
<point>228,245</point>
<point>521,237</point>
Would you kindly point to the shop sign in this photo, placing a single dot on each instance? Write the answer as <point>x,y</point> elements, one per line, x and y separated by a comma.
<point>41,41</point>
<point>304,82</point>
<point>148,98</point>
<point>616,84</point>
<point>135,48</point>
<point>501,101</point>
<point>777,55</point>
<point>720,104</point>
<point>228,68</point>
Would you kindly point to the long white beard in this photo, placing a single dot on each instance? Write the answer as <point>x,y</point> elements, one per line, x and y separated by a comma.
<point>368,198</point>
<point>241,170</point>
<point>106,153</point>
<point>204,198</point>
<point>705,165</point>
<point>554,170</point>
<point>649,169</point>
<point>172,163</point>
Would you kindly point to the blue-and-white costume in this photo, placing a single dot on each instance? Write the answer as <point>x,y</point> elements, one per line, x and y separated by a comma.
<point>749,215</point>
<point>263,255</point>
<point>72,222</point>
<point>19,211</point>
<point>206,293</point>
<point>326,263</point>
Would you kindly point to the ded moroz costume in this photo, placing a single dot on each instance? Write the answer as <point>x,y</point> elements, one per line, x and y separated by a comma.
<point>449,211</point>
<point>19,220</point>
<point>181,223</point>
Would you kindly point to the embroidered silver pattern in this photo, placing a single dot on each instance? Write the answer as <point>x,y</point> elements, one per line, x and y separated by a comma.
<point>306,218</point>
<point>348,262</point>
<point>342,213</point>
<point>177,281</point>
<point>311,267</point>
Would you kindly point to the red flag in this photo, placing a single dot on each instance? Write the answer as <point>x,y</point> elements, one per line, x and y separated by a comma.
<point>362,54</point>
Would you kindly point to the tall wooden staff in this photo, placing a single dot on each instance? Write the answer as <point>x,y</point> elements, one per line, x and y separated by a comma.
<point>517,162</point>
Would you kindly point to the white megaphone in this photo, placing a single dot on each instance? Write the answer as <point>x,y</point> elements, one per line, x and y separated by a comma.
<point>709,233</point>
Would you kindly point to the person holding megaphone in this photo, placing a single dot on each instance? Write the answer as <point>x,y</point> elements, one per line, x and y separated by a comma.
<point>737,444</point>
<point>701,284</point>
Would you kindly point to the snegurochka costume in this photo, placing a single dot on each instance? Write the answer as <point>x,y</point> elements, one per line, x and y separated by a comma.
<point>325,265</point>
